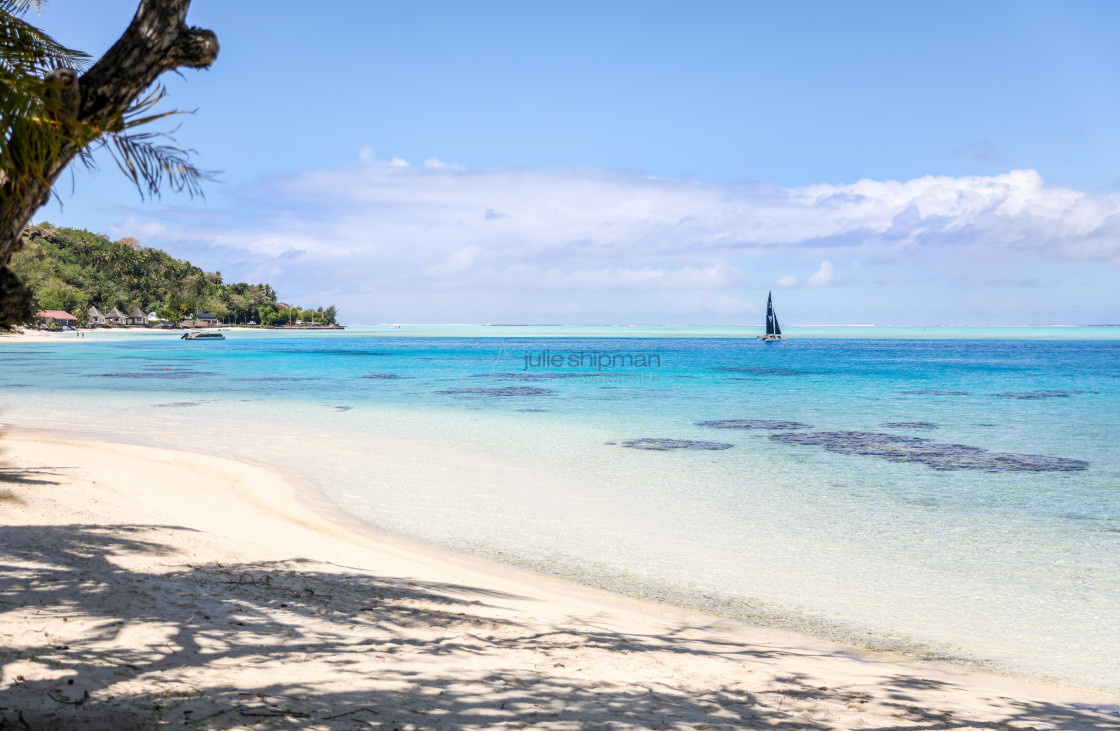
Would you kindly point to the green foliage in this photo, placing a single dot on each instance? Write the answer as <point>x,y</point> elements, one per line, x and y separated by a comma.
<point>71,269</point>
<point>38,108</point>
<point>35,113</point>
<point>62,296</point>
<point>175,308</point>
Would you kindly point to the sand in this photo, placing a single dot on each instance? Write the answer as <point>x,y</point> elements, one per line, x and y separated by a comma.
<point>31,335</point>
<point>143,587</point>
<point>103,334</point>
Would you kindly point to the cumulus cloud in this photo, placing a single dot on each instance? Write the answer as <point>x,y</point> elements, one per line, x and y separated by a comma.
<point>823,276</point>
<point>443,228</point>
<point>435,162</point>
<point>603,213</point>
<point>143,230</point>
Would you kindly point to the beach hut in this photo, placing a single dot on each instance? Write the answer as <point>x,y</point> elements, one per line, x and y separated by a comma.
<point>58,317</point>
<point>114,317</point>
<point>136,317</point>
<point>95,316</point>
<point>206,318</point>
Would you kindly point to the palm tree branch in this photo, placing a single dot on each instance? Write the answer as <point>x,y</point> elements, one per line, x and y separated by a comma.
<point>152,166</point>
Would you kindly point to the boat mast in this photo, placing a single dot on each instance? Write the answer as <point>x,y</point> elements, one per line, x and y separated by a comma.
<point>771,318</point>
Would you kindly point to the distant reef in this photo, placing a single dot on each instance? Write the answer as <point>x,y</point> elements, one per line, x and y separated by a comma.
<point>73,269</point>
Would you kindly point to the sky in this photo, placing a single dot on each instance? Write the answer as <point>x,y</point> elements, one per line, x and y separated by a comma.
<point>922,163</point>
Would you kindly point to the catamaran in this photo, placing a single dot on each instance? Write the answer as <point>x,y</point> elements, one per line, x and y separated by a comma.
<point>773,332</point>
<point>203,336</point>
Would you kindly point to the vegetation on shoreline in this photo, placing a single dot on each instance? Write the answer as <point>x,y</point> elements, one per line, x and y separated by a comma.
<point>72,269</point>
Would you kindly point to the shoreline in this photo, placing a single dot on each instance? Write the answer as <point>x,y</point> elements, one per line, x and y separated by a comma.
<point>304,493</point>
<point>221,512</point>
<point>1025,333</point>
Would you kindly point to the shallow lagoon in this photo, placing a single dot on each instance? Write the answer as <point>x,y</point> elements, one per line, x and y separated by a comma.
<point>446,434</point>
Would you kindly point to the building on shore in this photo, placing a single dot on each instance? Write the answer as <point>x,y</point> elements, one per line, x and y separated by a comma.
<point>114,317</point>
<point>58,317</point>
<point>136,317</point>
<point>95,317</point>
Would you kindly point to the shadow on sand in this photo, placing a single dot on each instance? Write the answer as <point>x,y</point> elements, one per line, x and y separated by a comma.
<point>221,622</point>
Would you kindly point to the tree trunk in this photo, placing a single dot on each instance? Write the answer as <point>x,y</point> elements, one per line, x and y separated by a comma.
<point>157,40</point>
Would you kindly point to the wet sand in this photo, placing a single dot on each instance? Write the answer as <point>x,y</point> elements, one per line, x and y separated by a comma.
<point>142,586</point>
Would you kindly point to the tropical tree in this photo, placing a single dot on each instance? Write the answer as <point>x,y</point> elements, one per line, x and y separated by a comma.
<point>53,109</point>
<point>175,309</point>
<point>60,296</point>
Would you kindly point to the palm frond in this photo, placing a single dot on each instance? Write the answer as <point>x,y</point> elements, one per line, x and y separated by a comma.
<point>28,50</point>
<point>152,166</point>
<point>141,156</point>
<point>35,121</point>
<point>37,125</point>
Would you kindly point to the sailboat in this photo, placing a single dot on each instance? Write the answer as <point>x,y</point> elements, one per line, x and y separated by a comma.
<point>773,332</point>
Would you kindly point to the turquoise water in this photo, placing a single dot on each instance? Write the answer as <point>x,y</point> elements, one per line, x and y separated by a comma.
<point>996,540</point>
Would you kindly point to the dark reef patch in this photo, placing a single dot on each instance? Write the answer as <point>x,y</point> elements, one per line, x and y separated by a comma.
<point>341,408</point>
<point>280,379</point>
<point>923,451</point>
<point>665,445</point>
<point>533,411</point>
<point>935,392</point>
<point>167,374</point>
<point>382,376</point>
<point>909,425</point>
<point>502,391</point>
<point>157,358</point>
<point>518,376</point>
<point>753,424</point>
<point>325,351</point>
<point>765,371</point>
<point>1035,395</point>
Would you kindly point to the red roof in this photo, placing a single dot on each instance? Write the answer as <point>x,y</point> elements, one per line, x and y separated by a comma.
<point>57,315</point>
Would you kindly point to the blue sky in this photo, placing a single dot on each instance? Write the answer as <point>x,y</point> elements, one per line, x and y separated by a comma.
<point>891,163</point>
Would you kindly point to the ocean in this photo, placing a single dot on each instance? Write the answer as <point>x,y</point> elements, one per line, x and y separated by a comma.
<point>942,492</point>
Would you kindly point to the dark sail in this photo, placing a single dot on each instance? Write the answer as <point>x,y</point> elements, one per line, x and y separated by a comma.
<point>771,319</point>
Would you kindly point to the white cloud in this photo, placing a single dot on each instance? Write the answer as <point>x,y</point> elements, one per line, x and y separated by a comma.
<point>367,156</point>
<point>482,233</point>
<point>613,214</point>
<point>435,162</point>
<point>142,230</point>
<point>822,277</point>
<point>788,281</point>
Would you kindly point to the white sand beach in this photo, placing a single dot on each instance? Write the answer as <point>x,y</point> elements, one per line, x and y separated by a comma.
<point>32,335</point>
<point>143,587</point>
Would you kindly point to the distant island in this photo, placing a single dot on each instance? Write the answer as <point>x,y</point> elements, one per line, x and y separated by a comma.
<point>73,270</point>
